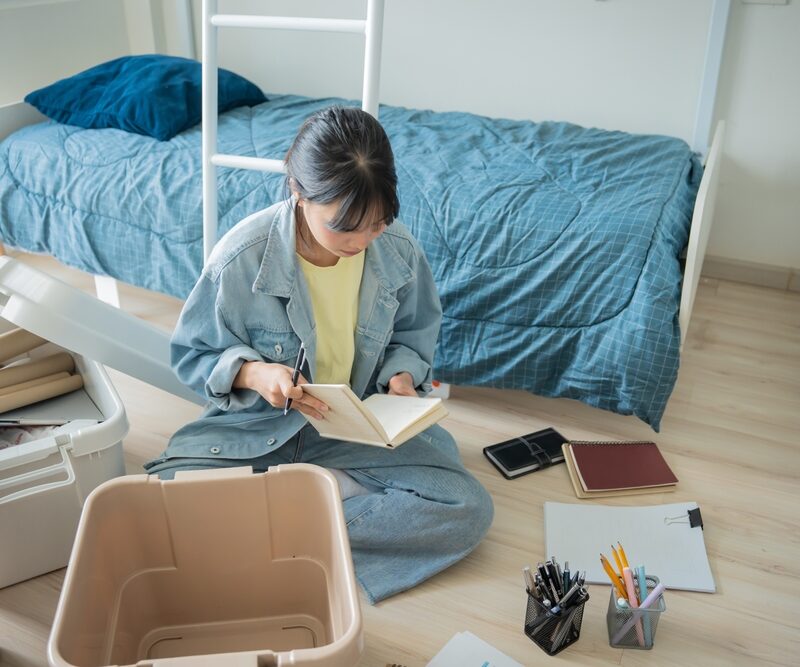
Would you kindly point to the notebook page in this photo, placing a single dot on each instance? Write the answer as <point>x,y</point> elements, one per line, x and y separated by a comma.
<point>396,413</point>
<point>345,420</point>
<point>467,650</point>
<point>671,550</point>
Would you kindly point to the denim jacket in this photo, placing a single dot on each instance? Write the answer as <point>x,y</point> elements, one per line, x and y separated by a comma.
<point>251,303</point>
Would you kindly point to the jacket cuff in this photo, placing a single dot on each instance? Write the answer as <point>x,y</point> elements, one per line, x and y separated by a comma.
<point>402,359</point>
<point>219,385</point>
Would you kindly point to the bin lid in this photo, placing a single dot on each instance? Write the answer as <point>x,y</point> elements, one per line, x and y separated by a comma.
<point>83,324</point>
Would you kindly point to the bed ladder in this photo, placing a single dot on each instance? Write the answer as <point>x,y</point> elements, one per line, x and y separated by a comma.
<point>371,27</point>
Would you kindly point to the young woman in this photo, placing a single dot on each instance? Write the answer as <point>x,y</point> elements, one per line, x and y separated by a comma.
<point>329,268</point>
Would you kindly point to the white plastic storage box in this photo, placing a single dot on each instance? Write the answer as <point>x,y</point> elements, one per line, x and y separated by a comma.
<point>44,483</point>
<point>216,567</point>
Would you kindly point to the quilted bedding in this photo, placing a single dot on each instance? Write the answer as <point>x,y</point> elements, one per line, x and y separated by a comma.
<point>555,247</point>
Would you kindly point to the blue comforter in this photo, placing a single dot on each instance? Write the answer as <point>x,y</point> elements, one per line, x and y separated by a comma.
<point>555,247</point>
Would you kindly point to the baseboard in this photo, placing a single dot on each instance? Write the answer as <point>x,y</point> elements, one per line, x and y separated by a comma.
<point>753,273</point>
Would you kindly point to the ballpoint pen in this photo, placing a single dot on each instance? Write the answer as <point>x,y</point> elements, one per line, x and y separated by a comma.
<point>559,576</point>
<point>552,573</point>
<point>544,594</point>
<point>566,625</point>
<point>566,575</point>
<point>528,577</point>
<point>544,571</point>
<point>566,599</point>
<point>301,359</point>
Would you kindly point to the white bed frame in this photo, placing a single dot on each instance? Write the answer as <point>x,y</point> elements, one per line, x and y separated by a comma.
<point>15,116</point>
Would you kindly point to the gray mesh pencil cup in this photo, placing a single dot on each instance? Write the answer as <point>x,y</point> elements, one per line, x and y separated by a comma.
<point>634,628</point>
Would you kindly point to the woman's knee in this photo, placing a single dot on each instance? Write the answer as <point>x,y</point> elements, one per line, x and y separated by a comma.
<point>470,515</point>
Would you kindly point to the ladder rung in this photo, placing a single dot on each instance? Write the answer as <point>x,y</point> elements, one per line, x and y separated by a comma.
<point>288,23</point>
<point>242,162</point>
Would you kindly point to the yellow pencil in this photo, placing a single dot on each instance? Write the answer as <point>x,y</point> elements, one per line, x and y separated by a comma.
<point>617,561</point>
<point>613,576</point>
<point>622,556</point>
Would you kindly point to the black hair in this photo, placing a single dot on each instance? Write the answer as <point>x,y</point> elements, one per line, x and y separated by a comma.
<point>342,154</point>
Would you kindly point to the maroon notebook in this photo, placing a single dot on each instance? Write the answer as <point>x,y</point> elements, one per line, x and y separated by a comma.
<point>613,466</point>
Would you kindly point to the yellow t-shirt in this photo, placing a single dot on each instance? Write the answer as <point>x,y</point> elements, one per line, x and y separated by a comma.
<point>334,298</point>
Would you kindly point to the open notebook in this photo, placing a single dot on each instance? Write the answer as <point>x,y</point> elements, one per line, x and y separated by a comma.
<point>382,420</point>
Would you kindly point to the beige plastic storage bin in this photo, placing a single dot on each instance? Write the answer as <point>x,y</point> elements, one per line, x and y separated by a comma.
<point>215,567</point>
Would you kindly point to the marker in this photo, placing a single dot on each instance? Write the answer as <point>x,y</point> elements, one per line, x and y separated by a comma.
<point>633,601</point>
<point>640,575</point>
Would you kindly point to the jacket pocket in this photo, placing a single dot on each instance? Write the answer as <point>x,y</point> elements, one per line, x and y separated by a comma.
<point>276,346</point>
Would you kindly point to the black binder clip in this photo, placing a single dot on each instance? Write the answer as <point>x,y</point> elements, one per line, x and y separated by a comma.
<point>693,517</point>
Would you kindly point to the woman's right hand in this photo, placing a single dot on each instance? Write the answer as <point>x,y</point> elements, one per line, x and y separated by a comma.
<point>274,383</point>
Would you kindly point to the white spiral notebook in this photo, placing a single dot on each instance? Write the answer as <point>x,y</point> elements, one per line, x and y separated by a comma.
<point>660,537</point>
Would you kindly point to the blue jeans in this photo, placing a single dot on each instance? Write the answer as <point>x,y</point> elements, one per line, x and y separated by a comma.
<point>423,511</point>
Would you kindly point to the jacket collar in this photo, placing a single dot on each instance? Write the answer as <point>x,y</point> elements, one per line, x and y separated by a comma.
<point>277,274</point>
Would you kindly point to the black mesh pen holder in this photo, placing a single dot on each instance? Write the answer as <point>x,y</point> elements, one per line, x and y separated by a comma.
<point>553,632</point>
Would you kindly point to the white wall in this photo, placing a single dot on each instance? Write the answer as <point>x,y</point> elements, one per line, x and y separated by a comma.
<point>41,42</point>
<point>758,211</point>
<point>633,65</point>
<point>532,59</point>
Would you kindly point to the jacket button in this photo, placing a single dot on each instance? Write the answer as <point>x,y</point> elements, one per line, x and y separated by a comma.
<point>214,450</point>
<point>278,348</point>
<point>271,441</point>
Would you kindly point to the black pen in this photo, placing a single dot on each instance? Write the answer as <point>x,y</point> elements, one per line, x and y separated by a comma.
<point>559,575</point>
<point>552,575</point>
<point>301,359</point>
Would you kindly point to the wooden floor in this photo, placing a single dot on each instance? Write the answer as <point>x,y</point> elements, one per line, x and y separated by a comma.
<point>731,433</point>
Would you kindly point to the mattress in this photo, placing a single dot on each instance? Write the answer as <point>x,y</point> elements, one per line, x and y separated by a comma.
<point>554,247</point>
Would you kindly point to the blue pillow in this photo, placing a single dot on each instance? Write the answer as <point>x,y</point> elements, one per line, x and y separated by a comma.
<point>152,94</point>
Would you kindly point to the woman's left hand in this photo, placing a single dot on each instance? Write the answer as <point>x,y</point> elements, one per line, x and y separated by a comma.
<point>402,384</point>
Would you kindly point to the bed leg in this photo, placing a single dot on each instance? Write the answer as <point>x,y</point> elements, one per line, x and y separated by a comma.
<point>107,290</point>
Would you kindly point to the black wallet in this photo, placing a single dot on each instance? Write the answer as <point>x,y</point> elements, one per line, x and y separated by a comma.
<point>527,453</point>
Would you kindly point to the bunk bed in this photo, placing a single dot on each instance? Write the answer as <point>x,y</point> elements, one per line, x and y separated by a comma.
<point>556,248</point>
